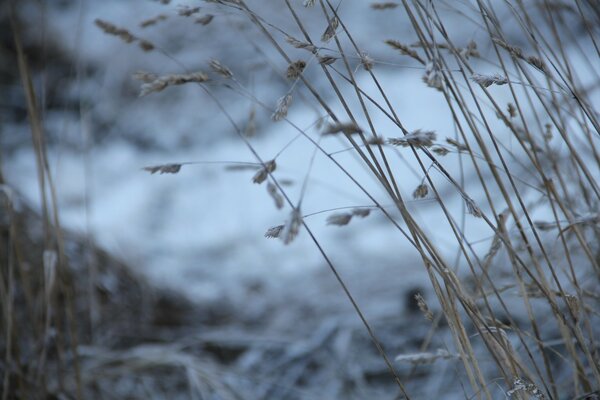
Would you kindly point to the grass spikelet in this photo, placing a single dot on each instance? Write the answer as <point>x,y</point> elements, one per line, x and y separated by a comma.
<point>295,69</point>
<point>274,232</point>
<point>264,172</point>
<point>537,63</point>
<point>512,110</point>
<point>162,82</point>
<point>283,104</point>
<point>440,151</point>
<point>339,219</point>
<point>164,169</point>
<point>292,227</point>
<point>114,30</point>
<point>309,3</point>
<point>489,80</point>
<point>153,21</point>
<point>330,30</point>
<point>418,138</point>
<point>367,62</point>
<point>204,20</point>
<point>347,128</point>
<point>404,49</point>
<point>298,44</point>
<point>361,212</point>
<point>422,304</point>
<point>421,191</point>
<point>455,143</point>
<point>513,50</point>
<point>383,6</point>
<point>327,60</point>
<point>472,207</point>
<point>250,129</point>
<point>145,45</point>
<point>433,76</point>
<point>187,11</point>
<point>220,69</point>
<point>274,193</point>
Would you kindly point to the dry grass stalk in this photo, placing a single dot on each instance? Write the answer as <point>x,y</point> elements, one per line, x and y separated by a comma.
<point>162,82</point>
<point>283,104</point>
<point>264,172</point>
<point>164,169</point>
<point>220,69</point>
<point>292,226</point>
<point>330,30</point>
<point>347,128</point>
<point>383,6</point>
<point>488,80</point>
<point>295,69</point>
<point>417,138</point>
<point>404,49</point>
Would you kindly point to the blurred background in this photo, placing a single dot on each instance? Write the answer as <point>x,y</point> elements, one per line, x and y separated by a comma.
<point>182,294</point>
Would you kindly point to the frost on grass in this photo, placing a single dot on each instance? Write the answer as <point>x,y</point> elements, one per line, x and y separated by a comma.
<point>418,138</point>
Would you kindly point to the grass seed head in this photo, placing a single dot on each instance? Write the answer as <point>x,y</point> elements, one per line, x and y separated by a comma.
<point>283,104</point>
<point>339,219</point>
